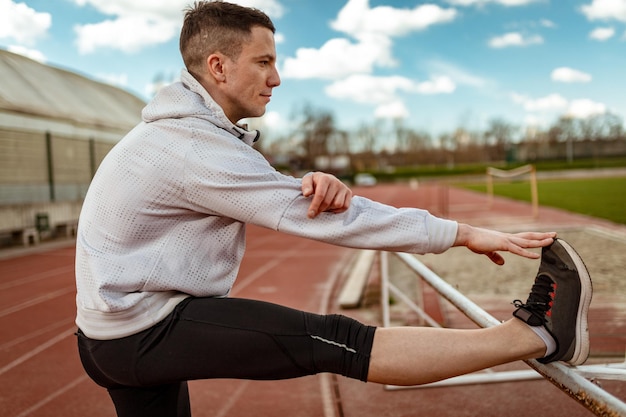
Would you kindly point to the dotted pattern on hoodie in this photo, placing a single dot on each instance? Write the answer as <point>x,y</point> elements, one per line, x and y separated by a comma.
<point>166,212</point>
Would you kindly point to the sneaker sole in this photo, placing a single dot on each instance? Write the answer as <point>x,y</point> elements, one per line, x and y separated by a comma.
<point>581,350</point>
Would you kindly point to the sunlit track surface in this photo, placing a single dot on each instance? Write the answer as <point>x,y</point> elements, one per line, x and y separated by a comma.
<point>40,373</point>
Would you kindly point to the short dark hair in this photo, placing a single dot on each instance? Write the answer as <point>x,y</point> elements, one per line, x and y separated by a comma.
<point>217,26</point>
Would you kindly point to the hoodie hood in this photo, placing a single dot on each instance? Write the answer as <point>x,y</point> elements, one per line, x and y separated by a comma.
<point>188,98</point>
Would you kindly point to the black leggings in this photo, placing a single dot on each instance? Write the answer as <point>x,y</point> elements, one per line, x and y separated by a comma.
<point>204,338</point>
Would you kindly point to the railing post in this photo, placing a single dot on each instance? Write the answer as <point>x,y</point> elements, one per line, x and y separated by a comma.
<point>564,377</point>
<point>384,287</point>
<point>50,166</point>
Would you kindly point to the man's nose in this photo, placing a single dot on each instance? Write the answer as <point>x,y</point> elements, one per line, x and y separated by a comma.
<point>274,80</point>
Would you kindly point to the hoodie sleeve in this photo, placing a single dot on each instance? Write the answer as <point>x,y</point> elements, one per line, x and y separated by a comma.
<point>231,179</point>
<point>371,225</point>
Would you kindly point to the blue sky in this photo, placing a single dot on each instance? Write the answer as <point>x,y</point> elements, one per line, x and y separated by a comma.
<point>436,65</point>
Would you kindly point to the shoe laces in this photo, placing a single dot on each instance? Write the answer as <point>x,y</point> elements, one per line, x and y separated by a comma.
<point>540,298</point>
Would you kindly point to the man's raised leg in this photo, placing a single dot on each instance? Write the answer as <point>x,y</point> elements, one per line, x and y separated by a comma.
<point>551,326</point>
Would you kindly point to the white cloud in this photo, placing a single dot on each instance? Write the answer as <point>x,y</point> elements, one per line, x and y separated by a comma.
<point>21,23</point>
<point>356,18</point>
<point>373,29</point>
<point>570,75</point>
<point>369,89</point>
<point>555,103</point>
<point>546,23</point>
<point>551,102</point>
<point>272,8</point>
<point>384,91</point>
<point>338,58</point>
<point>457,74</point>
<point>584,108</point>
<point>602,34</point>
<point>269,124</point>
<point>393,110</point>
<point>605,10</point>
<point>29,53</point>
<point>128,34</point>
<point>484,2</point>
<point>436,85</point>
<point>171,10</point>
<point>272,120</point>
<point>279,38</point>
<point>136,24</point>
<point>514,39</point>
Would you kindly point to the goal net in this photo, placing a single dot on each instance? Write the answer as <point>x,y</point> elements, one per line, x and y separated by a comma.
<point>526,171</point>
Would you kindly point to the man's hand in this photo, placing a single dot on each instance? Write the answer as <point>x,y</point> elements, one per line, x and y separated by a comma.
<point>329,193</point>
<point>489,242</point>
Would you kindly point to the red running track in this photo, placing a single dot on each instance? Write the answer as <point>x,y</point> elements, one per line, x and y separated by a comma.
<point>40,374</point>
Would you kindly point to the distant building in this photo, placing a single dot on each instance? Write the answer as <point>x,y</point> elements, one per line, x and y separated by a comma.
<point>55,128</point>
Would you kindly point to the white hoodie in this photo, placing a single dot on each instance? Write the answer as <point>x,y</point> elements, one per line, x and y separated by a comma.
<point>164,217</point>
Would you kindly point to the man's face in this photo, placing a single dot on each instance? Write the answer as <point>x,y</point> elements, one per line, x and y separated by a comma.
<point>249,79</point>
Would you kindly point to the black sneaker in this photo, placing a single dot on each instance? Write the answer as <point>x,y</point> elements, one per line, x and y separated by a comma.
<point>559,301</point>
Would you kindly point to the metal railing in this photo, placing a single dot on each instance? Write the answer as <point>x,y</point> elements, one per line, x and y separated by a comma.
<point>571,380</point>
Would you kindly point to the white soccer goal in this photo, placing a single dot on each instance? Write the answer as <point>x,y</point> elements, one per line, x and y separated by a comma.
<point>514,173</point>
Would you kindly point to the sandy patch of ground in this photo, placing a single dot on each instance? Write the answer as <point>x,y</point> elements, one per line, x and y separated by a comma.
<point>603,254</point>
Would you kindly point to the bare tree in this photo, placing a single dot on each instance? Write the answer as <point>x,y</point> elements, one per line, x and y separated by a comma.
<point>497,139</point>
<point>601,126</point>
<point>314,129</point>
<point>366,136</point>
<point>411,141</point>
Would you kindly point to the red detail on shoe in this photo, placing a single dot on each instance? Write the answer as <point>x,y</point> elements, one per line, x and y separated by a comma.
<point>551,303</point>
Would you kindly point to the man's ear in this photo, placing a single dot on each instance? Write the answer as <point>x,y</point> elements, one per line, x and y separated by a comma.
<point>215,67</point>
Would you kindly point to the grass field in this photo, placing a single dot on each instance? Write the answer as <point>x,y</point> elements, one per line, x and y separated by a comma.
<point>598,197</point>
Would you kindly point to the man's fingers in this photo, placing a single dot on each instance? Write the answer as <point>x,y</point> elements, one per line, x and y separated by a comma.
<point>307,185</point>
<point>341,204</point>
<point>519,250</point>
<point>495,257</point>
<point>318,204</point>
<point>344,204</point>
<point>329,194</point>
<point>335,201</point>
<point>533,239</point>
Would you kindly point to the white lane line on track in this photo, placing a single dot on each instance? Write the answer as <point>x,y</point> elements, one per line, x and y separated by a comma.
<point>37,300</point>
<point>36,277</point>
<point>52,396</point>
<point>38,332</point>
<point>330,404</point>
<point>37,350</point>
<point>240,285</point>
<point>232,399</point>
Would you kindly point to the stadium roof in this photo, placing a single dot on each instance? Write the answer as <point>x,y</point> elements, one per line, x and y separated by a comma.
<point>30,87</point>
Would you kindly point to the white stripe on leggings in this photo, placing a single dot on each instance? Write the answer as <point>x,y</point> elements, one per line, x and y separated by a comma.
<point>330,342</point>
